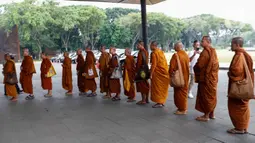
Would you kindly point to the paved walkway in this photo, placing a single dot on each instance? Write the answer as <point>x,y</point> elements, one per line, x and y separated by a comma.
<point>78,119</point>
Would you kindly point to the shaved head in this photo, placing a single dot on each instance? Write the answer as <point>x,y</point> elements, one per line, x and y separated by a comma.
<point>112,50</point>
<point>178,46</point>
<point>25,52</point>
<point>140,45</point>
<point>238,41</point>
<point>127,51</point>
<point>79,51</point>
<point>154,45</point>
<point>206,41</point>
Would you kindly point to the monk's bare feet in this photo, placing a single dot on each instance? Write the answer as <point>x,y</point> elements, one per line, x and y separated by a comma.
<point>180,112</point>
<point>202,119</point>
<point>158,105</point>
<point>141,103</point>
<point>13,99</point>
<point>211,116</point>
<point>235,131</point>
<point>107,97</point>
<point>69,93</point>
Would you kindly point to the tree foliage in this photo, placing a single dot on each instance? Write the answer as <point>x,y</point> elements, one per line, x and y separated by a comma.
<point>48,25</point>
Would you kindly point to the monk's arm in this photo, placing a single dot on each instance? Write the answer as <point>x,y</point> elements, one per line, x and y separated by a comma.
<point>173,65</point>
<point>237,69</point>
<point>202,61</point>
<point>153,63</point>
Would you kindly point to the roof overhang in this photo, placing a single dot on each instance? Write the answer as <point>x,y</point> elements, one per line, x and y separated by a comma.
<point>148,2</point>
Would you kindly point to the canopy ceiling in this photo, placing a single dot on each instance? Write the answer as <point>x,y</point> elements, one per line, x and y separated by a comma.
<point>148,2</point>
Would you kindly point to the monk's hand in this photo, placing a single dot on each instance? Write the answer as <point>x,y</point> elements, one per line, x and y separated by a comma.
<point>83,74</point>
<point>45,75</point>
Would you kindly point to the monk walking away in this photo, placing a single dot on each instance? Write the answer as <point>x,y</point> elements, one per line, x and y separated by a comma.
<point>79,68</point>
<point>46,81</point>
<point>206,75</point>
<point>114,75</point>
<point>239,111</point>
<point>129,76</point>
<point>90,73</point>
<point>103,70</point>
<point>10,78</point>
<point>142,86</point>
<point>27,70</point>
<point>159,76</point>
<point>67,74</point>
<point>180,93</point>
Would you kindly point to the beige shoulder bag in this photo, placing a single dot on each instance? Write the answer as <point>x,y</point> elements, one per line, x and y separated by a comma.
<point>177,80</point>
<point>242,89</point>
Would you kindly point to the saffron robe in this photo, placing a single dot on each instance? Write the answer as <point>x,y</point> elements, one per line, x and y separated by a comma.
<point>79,68</point>
<point>129,69</point>
<point>46,81</point>
<point>67,74</point>
<point>114,84</point>
<point>142,86</point>
<point>90,65</point>
<point>103,68</point>
<point>206,74</point>
<point>181,93</point>
<point>9,68</point>
<point>27,70</point>
<point>239,111</point>
<point>160,77</point>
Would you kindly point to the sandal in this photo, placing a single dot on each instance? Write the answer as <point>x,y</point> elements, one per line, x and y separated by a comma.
<point>202,119</point>
<point>30,97</point>
<point>116,99</point>
<point>141,103</point>
<point>158,105</point>
<point>92,95</point>
<point>234,131</point>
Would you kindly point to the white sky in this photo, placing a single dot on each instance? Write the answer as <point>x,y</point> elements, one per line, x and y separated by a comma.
<point>240,10</point>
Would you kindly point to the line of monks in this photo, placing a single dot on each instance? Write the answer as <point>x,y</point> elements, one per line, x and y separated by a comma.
<point>206,75</point>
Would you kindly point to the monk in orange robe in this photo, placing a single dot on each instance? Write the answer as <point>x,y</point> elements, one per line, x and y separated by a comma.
<point>239,111</point>
<point>129,69</point>
<point>90,72</point>
<point>27,70</point>
<point>79,68</point>
<point>103,70</point>
<point>9,68</point>
<point>159,76</point>
<point>206,75</point>
<point>142,86</point>
<point>114,83</point>
<point>46,82</point>
<point>67,74</point>
<point>180,93</point>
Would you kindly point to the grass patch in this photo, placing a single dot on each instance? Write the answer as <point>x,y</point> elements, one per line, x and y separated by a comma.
<point>224,56</point>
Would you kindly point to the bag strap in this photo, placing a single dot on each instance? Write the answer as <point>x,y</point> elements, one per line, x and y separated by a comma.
<point>143,58</point>
<point>247,71</point>
<point>179,65</point>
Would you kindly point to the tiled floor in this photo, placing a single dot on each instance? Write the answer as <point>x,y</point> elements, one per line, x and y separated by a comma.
<point>76,119</point>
